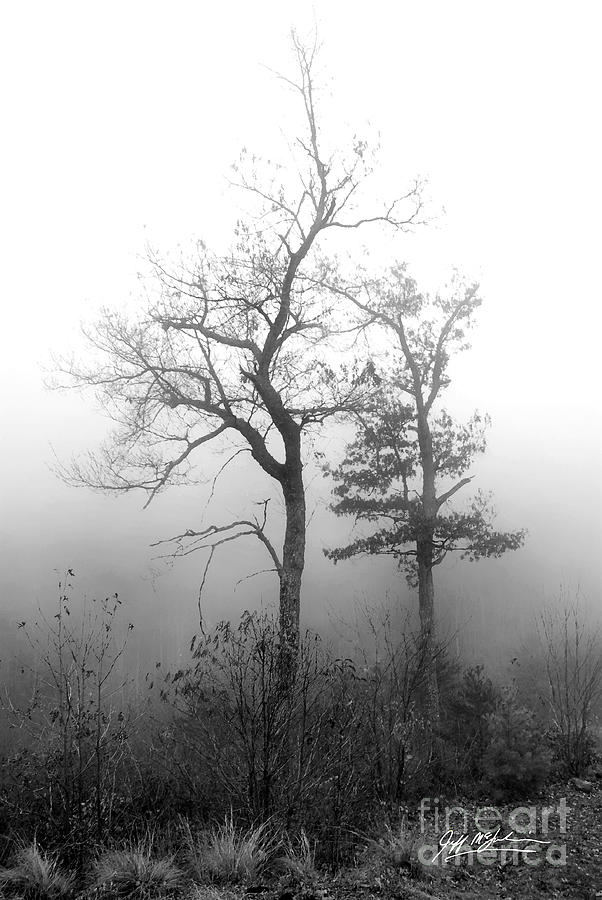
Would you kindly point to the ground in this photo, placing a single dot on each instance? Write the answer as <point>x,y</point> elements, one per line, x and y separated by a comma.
<point>389,878</point>
<point>566,821</point>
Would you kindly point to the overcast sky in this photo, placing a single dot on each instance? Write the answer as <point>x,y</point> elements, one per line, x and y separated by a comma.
<point>120,122</point>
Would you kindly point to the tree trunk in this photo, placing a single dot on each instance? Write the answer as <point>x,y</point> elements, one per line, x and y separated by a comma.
<point>424,548</point>
<point>426,605</point>
<point>293,562</point>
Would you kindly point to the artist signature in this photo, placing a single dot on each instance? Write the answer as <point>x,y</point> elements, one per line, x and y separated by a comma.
<point>482,841</point>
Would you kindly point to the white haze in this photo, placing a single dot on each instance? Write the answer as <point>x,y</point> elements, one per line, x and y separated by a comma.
<point>120,124</point>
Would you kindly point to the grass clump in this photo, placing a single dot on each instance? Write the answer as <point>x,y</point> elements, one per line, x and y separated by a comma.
<point>396,848</point>
<point>35,875</point>
<point>227,853</point>
<point>208,892</point>
<point>136,872</point>
<point>299,857</point>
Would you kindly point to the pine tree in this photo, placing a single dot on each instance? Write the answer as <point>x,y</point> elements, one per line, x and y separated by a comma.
<point>409,456</point>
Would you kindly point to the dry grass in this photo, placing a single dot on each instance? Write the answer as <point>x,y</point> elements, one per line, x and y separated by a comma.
<point>397,847</point>
<point>137,873</point>
<point>227,853</point>
<point>36,875</point>
<point>300,857</point>
<point>209,892</point>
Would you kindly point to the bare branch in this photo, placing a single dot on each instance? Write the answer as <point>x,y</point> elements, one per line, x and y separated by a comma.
<point>174,463</point>
<point>215,536</point>
<point>443,498</point>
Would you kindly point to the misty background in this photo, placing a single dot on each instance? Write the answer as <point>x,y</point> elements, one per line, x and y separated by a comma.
<point>120,126</point>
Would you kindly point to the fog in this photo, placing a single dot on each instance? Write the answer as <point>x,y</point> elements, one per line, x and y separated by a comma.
<point>120,126</point>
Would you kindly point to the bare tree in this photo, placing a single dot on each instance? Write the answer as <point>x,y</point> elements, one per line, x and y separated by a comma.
<point>234,345</point>
<point>408,439</point>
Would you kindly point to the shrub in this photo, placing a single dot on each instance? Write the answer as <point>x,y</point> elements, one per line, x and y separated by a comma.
<point>135,872</point>
<point>517,759</point>
<point>234,724</point>
<point>36,876</point>
<point>573,752</point>
<point>467,719</point>
<point>345,736</point>
<point>573,660</point>
<point>73,740</point>
<point>394,756</point>
<point>228,853</point>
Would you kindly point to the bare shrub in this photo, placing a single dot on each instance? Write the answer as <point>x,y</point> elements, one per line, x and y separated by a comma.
<point>235,724</point>
<point>573,664</point>
<point>391,675</point>
<point>62,777</point>
<point>344,740</point>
